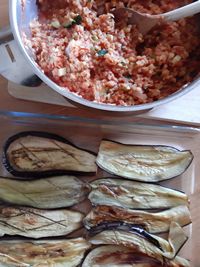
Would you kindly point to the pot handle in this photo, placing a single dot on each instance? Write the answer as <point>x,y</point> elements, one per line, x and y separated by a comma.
<point>13,65</point>
<point>5,34</point>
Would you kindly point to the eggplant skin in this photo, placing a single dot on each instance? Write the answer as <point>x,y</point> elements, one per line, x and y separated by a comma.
<point>141,241</point>
<point>50,193</point>
<point>145,163</point>
<point>134,195</point>
<point>45,253</point>
<point>33,155</point>
<point>114,256</point>
<point>37,223</point>
<point>156,222</point>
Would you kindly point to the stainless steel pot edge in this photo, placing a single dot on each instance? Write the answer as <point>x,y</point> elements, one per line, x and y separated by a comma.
<point>78,99</point>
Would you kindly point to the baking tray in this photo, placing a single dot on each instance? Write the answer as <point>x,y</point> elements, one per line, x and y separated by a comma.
<point>87,133</point>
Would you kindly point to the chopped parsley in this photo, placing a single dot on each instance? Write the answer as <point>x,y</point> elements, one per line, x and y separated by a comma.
<point>102,52</point>
<point>75,21</point>
<point>78,20</point>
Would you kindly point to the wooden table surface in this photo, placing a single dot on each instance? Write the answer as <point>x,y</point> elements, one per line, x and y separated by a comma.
<point>9,103</point>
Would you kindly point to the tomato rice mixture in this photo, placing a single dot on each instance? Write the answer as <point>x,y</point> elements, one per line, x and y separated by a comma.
<point>79,46</point>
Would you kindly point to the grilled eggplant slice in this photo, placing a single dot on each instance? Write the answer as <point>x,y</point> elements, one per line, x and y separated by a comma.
<point>114,256</point>
<point>152,222</point>
<point>36,223</point>
<point>134,195</point>
<point>39,154</point>
<point>50,193</point>
<point>68,253</point>
<point>142,162</point>
<point>141,241</point>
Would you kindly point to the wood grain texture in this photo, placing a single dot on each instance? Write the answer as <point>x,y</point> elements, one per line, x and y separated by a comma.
<point>4,18</point>
<point>173,112</point>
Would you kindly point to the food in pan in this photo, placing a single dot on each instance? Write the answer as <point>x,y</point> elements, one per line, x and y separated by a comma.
<point>134,195</point>
<point>153,222</point>
<point>38,154</point>
<point>80,47</point>
<point>143,162</point>
<point>50,193</point>
<point>141,241</point>
<point>37,223</point>
<point>112,255</point>
<point>44,253</point>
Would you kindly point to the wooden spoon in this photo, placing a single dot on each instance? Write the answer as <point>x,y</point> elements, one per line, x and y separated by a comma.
<point>145,22</point>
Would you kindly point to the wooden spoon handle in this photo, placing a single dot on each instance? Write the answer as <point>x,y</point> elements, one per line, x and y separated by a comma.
<point>183,12</point>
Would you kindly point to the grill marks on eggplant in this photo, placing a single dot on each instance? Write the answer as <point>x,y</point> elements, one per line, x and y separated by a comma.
<point>39,154</point>
<point>142,242</point>
<point>49,193</point>
<point>111,255</point>
<point>35,223</point>
<point>142,162</point>
<point>117,221</point>
<point>43,253</point>
<point>156,222</point>
<point>121,226</point>
<point>134,195</point>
